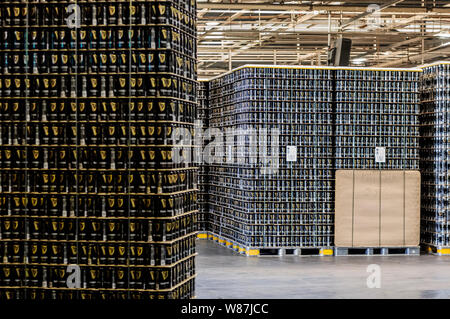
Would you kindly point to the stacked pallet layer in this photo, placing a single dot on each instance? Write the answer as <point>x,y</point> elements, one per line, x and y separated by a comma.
<point>279,194</point>
<point>92,205</point>
<point>203,124</point>
<point>434,157</point>
<point>326,119</point>
<point>377,119</point>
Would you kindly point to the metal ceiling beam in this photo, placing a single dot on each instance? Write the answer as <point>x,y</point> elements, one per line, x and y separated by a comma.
<point>432,52</point>
<point>202,12</point>
<point>368,13</point>
<point>250,32</point>
<point>300,7</point>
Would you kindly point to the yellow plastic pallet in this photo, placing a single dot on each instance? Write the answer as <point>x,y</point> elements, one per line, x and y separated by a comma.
<point>202,236</point>
<point>247,251</point>
<point>437,250</point>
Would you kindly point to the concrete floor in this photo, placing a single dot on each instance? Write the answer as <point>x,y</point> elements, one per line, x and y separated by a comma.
<point>223,273</point>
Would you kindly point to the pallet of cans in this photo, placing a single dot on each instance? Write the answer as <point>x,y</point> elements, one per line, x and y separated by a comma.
<point>377,123</point>
<point>271,185</point>
<point>434,157</point>
<point>203,124</point>
<point>320,119</point>
<point>92,204</point>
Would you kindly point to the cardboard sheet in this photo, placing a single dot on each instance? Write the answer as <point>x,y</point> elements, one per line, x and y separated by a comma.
<point>344,203</point>
<point>375,208</point>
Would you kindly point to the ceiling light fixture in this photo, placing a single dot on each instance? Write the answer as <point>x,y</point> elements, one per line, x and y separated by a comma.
<point>359,60</point>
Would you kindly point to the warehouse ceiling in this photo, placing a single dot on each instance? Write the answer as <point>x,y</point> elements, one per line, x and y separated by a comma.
<point>389,33</point>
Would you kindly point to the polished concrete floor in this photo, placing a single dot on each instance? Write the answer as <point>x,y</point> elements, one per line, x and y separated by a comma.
<point>223,273</point>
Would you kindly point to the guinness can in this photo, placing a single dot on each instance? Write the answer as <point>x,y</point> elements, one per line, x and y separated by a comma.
<point>136,276</point>
<point>82,38</point>
<point>93,277</point>
<point>120,278</point>
<point>114,11</point>
<point>72,252</point>
<point>93,39</point>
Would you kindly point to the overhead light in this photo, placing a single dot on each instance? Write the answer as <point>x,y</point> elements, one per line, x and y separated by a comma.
<point>359,60</point>
<point>212,23</point>
<point>444,45</point>
<point>443,34</point>
<point>213,37</point>
<point>264,11</point>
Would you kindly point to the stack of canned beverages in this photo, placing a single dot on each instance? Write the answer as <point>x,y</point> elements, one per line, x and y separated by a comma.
<point>92,204</point>
<point>435,155</point>
<point>377,119</point>
<point>202,117</point>
<point>271,182</point>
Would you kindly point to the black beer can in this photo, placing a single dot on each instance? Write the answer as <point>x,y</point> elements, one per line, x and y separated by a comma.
<point>17,251</point>
<point>82,38</point>
<point>93,277</point>
<point>83,252</point>
<point>123,59</point>
<point>104,38</point>
<point>44,252</point>
<point>18,224</point>
<point>96,230</point>
<point>120,209</point>
<point>35,228</point>
<point>7,39</point>
<point>121,254</point>
<point>15,62</point>
<point>93,86</point>
<point>113,230</point>
<point>82,230</point>
<point>93,39</point>
<point>136,281</point>
<point>69,230</point>
<point>18,42</point>
<point>73,39</point>
<point>111,254</point>
<point>72,253</point>
<point>121,278</point>
<point>35,277</point>
<point>34,253</point>
<point>7,275</point>
<point>120,185</point>
<point>121,157</point>
<point>106,278</point>
<point>64,63</point>
<point>113,12</point>
<point>164,278</point>
<point>56,253</point>
<point>121,86</point>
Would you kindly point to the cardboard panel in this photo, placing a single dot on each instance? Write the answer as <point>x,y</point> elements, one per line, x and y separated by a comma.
<point>412,208</point>
<point>366,229</point>
<point>344,209</point>
<point>392,209</point>
<point>377,208</point>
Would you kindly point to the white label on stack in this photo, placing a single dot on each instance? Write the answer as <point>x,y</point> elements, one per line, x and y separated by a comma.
<point>230,154</point>
<point>291,154</point>
<point>380,154</point>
